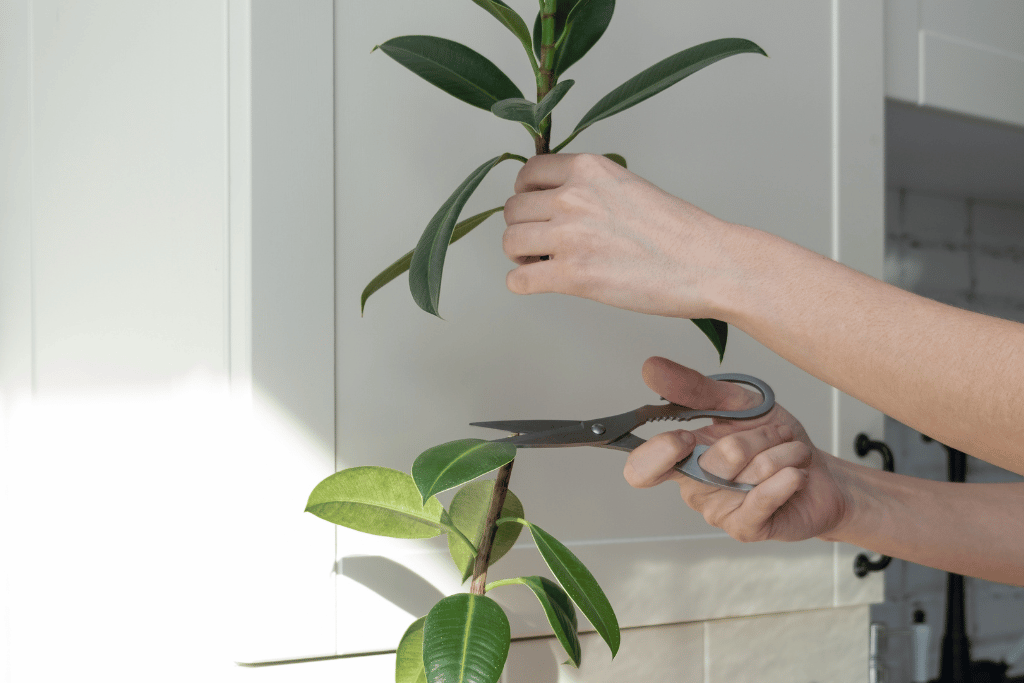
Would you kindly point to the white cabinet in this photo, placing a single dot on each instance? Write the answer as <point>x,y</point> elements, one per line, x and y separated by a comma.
<point>966,57</point>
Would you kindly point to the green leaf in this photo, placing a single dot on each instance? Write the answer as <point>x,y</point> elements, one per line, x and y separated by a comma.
<point>587,21</point>
<point>586,24</point>
<point>427,264</point>
<point>662,75</point>
<point>468,513</point>
<point>577,581</point>
<point>617,158</point>
<point>558,609</point>
<point>376,500</point>
<point>453,67</point>
<point>508,16</point>
<point>530,113</point>
<point>716,331</point>
<point>409,657</point>
<point>462,229</point>
<point>456,462</point>
<point>465,640</point>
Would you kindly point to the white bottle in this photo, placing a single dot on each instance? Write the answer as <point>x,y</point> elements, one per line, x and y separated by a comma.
<point>922,636</point>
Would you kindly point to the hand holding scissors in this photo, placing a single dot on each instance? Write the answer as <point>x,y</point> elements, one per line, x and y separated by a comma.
<point>615,431</point>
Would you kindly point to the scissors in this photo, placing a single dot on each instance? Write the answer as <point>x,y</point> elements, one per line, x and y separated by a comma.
<point>615,431</point>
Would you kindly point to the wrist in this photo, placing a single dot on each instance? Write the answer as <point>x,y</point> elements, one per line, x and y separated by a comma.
<point>865,508</point>
<point>731,278</point>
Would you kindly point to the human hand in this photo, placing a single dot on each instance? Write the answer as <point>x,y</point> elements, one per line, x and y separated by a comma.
<point>799,489</point>
<point>610,236</point>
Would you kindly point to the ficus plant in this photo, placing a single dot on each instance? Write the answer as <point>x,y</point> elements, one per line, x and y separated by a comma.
<point>466,637</point>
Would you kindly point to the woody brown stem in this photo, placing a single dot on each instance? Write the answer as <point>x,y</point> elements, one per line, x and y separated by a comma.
<point>483,555</point>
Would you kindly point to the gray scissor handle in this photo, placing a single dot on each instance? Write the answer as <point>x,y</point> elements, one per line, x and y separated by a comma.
<point>691,468</point>
<point>691,465</point>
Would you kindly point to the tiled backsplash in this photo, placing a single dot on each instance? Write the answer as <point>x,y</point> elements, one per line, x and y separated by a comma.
<point>968,254</point>
<point>795,647</point>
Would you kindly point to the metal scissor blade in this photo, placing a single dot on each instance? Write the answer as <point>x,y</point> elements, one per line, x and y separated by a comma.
<point>523,426</point>
<point>560,437</point>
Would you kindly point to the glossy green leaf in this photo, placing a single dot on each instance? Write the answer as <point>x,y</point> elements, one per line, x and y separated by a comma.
<point>586,22</point>
<point>465,640</point>
<point>409,657</point>
<point>462,228</point>
<point>557,607</point>
<point>662,75</point>
<point>427,264</point>
<point>511,19</point>
<point>617,158</point>
<point>577,581</point>
<point>452,67</point>
<point>716,331</point>
<point>456,462</point>
<point>468,512</point>
<point>531,113</point>
<point>376,500</point>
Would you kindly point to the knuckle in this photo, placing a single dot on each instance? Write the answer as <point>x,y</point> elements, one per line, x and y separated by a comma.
<point>731,452</point>
<point>585,163</point>
<point>570,198</point>
<point>509,207</point>
<point>509,240</point>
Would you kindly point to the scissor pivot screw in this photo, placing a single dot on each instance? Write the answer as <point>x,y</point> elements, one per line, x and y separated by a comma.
<point>597,429</point>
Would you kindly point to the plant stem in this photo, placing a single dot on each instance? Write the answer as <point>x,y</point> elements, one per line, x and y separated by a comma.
<point>546,75</point>
<point>483,555</point>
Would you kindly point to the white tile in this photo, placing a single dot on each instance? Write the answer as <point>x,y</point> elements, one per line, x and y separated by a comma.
<point>999,276</point>
<point>998,226</point>
<point>920,580</point>
<point>893,211</point>
<point>672,581</point>
<point>821,646</point>
<point>665,653</point>
<point>934,219</point>
<point>937,271</point>
<point>994,612</point>
<point>370,668</point>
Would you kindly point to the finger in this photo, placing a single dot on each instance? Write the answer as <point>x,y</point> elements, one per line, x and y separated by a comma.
<point>531,207</point>
<point>535,276</point>
<point>525,240</point>
<point>768,463</point>
<point>688,387</point>
<point>752,521</point>
<point>731,454</point>
<point>543,172</point>
<point>652,463</point>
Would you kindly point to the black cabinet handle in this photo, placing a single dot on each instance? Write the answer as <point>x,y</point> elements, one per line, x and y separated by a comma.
<point>862,445</point>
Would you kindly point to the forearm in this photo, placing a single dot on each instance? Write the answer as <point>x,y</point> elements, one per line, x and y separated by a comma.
<point>971,529</point>
<point>954,375</point>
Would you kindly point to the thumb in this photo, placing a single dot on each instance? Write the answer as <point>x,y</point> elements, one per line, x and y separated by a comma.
<point>687,387</point>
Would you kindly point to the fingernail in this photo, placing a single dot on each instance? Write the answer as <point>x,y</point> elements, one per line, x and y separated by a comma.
<point>785,432</point>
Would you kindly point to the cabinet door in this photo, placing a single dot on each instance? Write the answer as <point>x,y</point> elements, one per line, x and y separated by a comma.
<point>166,335</point>
<point>791,144</point>
<point>965,57</point>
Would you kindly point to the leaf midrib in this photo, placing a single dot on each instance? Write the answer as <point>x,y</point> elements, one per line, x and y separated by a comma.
<point>443,67</point>
<point>587,599</point>
<point>404,513</point>
<point>465,638</point>
<point>456,460</point>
